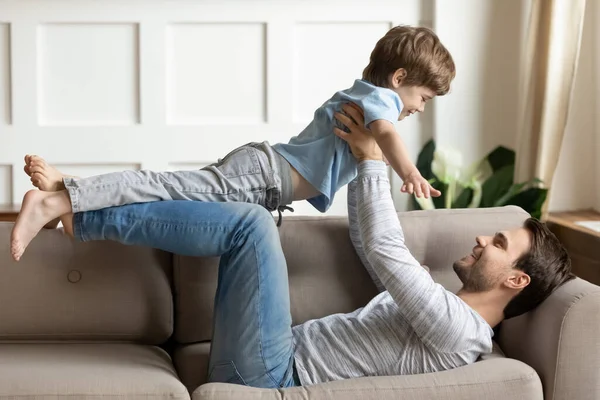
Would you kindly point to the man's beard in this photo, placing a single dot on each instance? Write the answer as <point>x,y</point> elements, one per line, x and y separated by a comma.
<point>472,277</point>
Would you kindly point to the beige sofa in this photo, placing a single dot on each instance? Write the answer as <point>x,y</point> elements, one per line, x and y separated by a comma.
<point>106,321</point>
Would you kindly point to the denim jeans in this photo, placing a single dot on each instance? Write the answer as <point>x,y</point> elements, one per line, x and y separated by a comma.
<point>252,340</point>
<point>253,173</point>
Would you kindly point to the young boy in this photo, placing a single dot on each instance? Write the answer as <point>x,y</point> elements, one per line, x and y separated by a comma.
<point>408,67</point>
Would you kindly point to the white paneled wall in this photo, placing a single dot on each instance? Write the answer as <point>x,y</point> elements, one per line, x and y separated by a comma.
<point>5,74</point>
<point>100,86</point>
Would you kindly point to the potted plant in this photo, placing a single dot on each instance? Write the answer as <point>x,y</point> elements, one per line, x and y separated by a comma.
<point>486,183</point>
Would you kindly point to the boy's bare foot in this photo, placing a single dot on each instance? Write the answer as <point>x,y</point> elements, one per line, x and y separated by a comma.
<point>43,176</point>
<point>37,210</point>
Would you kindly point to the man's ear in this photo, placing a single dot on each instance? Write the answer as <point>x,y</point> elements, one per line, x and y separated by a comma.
<point>397,78</point>
<point>518,280</point>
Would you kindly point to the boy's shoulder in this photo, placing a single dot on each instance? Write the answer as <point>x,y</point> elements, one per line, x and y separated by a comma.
<point>363,89</point>
<point>366,87</point>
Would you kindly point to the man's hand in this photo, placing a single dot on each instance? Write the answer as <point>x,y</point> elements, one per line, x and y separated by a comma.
<point>415,183</point>
<point>360,140</point>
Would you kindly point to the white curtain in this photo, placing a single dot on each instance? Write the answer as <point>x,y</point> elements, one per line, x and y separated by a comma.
<point>553,41</point>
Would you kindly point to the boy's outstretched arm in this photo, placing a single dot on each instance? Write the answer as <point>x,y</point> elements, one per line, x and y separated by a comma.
<point>396,153</point>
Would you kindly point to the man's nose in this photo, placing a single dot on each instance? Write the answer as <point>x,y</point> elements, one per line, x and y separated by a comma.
<point>481,240</point>
<point>422,108</point>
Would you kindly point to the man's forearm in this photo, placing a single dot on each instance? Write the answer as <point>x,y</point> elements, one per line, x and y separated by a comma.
<point>355,235</point>
<point>383,239</point>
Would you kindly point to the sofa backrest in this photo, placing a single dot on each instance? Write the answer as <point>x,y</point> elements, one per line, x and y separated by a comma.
<point>325,273</point>
<point>62,290</point>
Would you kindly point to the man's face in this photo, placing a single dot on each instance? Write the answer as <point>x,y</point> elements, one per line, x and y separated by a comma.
<point>490,264</point>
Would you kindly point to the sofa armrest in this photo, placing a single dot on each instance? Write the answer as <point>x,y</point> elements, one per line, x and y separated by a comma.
<point>496,378</point>
<point>559,339</point>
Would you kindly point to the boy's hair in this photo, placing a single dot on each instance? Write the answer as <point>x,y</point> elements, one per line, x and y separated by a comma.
<point>419,51</point>
<point>548,265</point>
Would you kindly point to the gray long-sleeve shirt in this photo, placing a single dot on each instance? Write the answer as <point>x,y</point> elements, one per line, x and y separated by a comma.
<point>413,326</point>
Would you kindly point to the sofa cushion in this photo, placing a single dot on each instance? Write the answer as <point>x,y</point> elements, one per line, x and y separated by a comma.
<point>64,290</point>
<point>87,372</point>
<point>325,273</point>
<point>494,379</point>
<point>191,362</point>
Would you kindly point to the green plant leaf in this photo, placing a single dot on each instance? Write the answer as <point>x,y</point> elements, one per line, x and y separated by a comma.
<point>463,199</point>
<point>425,158</point>
<point>424,204</point>
<point>514,189</point>
<point>439,202</point>
<point>530,200</point>
<point>501,157</point>
<point>414,204</point>
<point>497,185</point>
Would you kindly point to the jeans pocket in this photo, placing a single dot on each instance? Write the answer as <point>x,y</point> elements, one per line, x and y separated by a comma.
<point>239,162</point>
<point>226,372</point>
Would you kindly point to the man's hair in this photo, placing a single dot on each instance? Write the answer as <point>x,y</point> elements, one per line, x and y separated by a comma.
<point>419,51</point>
<point>547,264</point>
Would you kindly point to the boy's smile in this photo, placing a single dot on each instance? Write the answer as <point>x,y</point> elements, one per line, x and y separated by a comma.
<point>413,99</point>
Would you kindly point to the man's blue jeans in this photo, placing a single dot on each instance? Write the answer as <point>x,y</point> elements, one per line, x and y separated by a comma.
<point>252,340</point>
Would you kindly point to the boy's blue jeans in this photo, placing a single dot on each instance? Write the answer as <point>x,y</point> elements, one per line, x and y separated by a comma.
<point>252,340</point>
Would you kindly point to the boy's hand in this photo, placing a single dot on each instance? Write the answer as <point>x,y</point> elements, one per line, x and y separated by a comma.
<point>415,183</point>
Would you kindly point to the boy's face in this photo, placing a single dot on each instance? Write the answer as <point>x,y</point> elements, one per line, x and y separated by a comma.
<point>413,98</point>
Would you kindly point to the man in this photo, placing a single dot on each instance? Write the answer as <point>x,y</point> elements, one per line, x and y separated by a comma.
<point>413,326</point>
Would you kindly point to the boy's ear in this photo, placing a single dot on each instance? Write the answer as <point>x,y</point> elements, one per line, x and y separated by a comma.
<point>398,77</point>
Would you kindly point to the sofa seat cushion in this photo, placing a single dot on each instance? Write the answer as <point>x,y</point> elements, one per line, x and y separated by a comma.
<point>492,379</point>
<point>191,363</point>
<point>87,372</point>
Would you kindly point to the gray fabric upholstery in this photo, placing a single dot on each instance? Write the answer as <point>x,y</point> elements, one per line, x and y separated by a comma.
<point>560,341</point>
<point>495,379</point>
<point>87,372</point>
<point>191,361</point>
<point>63,290</point>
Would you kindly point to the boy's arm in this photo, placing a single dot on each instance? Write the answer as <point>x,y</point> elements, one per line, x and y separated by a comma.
<point>393,148</point>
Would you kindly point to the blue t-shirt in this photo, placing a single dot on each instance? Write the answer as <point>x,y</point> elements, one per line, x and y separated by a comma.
<point>320,156</point>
